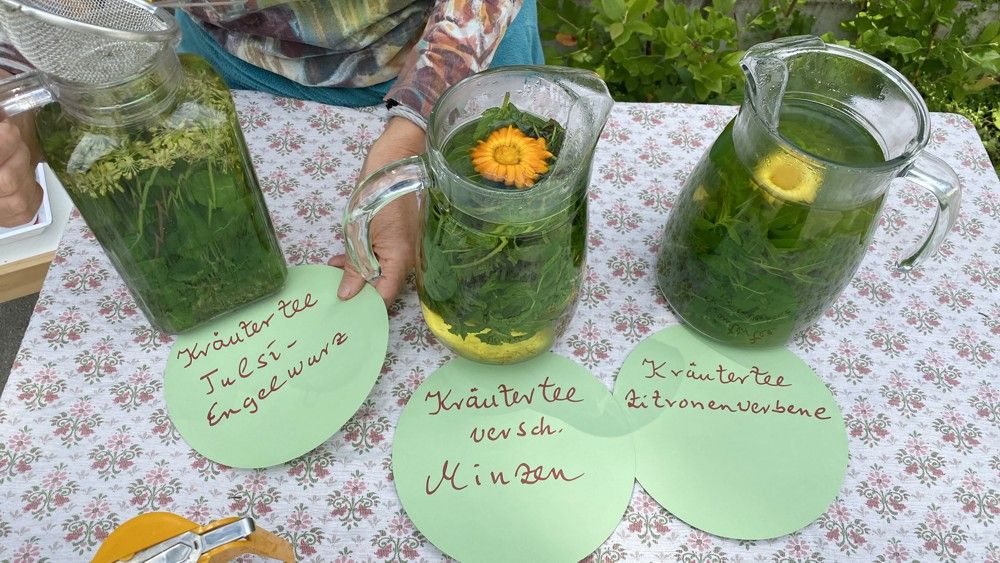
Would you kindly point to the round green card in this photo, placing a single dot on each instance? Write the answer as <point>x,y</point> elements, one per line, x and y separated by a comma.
<point>525,462</point>
<point>273,380</point>
<point>740,443</point>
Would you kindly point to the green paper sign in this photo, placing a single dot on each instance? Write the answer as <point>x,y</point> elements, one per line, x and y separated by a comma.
<point>524,462</point>
<point>740,443</point>
<point>269,382</point>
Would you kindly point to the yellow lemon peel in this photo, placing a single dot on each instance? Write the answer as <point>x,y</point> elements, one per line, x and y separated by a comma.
<point>509,156</point>
<point>787,178</point>
<point>472,347</point>
<point>700,194</point>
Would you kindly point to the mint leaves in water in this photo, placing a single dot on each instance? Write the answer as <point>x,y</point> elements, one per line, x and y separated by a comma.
<point>496,290</point>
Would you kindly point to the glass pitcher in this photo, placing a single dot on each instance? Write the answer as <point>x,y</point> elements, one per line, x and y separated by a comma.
<point>148,147</point>
<point>498,268</point>
<point>774,220</point>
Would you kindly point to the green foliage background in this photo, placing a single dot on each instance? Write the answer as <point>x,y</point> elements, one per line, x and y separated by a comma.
<point>669,51</point>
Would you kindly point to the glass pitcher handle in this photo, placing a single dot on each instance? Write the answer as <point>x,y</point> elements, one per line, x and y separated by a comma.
<point>375,192</point>
<point>24,92</point>
<point>937,177</point>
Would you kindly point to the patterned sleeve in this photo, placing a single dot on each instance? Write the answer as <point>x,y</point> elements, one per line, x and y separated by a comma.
<point>460,39</point>
<point>10,60</point>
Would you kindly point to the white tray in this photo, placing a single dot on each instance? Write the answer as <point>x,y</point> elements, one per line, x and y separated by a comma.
<point>41,221</point>
<point>42,238</point>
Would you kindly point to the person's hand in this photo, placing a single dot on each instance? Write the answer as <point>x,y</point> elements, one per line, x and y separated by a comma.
<point>20,195</point>
<point>394,229</point>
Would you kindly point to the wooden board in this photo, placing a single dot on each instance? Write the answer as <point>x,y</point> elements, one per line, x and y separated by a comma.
<point>24,263</point>
<point>24,277</point>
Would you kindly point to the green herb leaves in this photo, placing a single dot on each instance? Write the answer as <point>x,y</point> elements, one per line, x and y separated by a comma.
<point>671,51</point>
<point>531,125</point>
<point>500,286</point>
<point>173,203</point>
<point>747,268</point>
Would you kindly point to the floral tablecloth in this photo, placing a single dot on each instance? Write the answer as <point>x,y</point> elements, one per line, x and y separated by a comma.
<point>85,442</point>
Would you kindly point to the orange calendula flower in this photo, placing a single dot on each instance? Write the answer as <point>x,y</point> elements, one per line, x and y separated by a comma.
<point>511,157</point>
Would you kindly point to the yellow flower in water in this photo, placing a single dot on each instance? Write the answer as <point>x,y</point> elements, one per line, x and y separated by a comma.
<point>787,178</point>
<point>511,157</point>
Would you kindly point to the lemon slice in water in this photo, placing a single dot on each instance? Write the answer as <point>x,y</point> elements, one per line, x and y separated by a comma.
<point>473,348</point>
<point>787,178</point>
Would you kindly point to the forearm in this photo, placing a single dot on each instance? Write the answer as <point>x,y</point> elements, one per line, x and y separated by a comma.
<point>460,39</point>
<point>400,139</point>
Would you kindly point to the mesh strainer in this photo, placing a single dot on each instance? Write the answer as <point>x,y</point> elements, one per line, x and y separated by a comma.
<point>92,42</point>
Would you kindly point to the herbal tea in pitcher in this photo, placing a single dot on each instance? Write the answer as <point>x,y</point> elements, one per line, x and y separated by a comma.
<point>754,228</point>
<point>503,208</point>
<point>777,216</point>
<point>526,275</point>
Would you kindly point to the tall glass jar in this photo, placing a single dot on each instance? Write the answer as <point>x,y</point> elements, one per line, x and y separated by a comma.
<point>159,170</point>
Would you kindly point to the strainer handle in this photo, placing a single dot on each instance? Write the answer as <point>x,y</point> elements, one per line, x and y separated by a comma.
<point>24,92</point>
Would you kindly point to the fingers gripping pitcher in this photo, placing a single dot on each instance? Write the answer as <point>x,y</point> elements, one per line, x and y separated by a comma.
<point>503,205</point>
<point>774,220</point>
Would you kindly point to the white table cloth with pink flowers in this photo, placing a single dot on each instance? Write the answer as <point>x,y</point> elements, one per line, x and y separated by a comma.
<point>86,443</point>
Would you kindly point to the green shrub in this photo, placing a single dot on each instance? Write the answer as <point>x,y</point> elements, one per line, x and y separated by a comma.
<point>930,42</point>
<point>665,51</point>
<point>647,51</point>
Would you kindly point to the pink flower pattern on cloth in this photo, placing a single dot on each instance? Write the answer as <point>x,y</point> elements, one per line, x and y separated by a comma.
<point>85,442</point>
